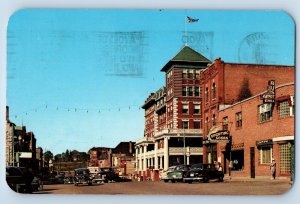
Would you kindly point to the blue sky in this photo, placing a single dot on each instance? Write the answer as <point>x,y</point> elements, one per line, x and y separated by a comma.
<point>77,78</point>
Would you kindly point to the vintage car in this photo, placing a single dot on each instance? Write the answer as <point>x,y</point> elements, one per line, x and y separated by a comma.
<point>108,175</point>
<point>19,179</point>
<point>178,174</point>
<point>203,172</point>
<point>82,176</point>
<point>164,174</point>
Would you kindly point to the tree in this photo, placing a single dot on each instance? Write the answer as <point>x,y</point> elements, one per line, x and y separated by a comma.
<point>245,91</point>
<point>47,156</point>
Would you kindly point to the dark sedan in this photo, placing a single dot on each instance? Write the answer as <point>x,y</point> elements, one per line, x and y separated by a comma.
<point>82,176</point>
<point>178,174</point>
<point>203,172</point>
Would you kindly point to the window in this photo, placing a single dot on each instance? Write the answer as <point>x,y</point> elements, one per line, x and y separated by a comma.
<point>190,91</point>
<point>196,108</point>
<point>184,91</point>
<point>185,124</point>
<point>225,123</point>
<point>214,90</point>
<point>185,108</point>
<point>285,158</point>
<point>197,125</point>
<point>197,91</point>
<point>190,74</point>
<point>265,155</point>
<point>265,112</point>
<point>197,74</point>
<point>206,124</point>
<point>238,119</point>
<point>284,109</point>
<point>214,122</point>
<point>206,94</point>
<point>184,73</point>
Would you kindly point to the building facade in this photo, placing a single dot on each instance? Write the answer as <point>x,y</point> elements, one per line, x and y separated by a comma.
<point>173,126</point>
<point>251,150</point>
<point>224,84</point>
<point>185,121</point>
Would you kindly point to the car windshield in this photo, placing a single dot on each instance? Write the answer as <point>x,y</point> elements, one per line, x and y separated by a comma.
<point>197,166</point>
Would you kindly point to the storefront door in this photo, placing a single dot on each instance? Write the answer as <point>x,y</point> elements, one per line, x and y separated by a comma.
<point>252,162</point>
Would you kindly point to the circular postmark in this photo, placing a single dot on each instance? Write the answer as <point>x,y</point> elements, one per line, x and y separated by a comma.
<point>255,48</point>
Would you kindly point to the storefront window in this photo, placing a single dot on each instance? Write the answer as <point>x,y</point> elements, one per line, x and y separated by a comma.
<point>265,155</point>
<point>285,158</point>
<point>238,117</point>
<point>237,158</point>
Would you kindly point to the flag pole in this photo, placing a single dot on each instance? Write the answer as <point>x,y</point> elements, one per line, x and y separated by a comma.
<point>185,28</point>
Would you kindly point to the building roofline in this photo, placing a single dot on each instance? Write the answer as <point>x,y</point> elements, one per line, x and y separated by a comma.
<point>252,97</point>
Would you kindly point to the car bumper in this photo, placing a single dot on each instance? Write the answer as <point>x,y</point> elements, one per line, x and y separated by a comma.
<point>193,179</point>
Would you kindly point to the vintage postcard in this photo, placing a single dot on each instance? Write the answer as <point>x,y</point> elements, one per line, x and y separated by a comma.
<point>171,102</point>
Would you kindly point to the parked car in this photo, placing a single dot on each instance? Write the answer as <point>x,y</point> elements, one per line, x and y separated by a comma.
<point>203,172</point>
<point>19,179</point>
<point>82,176</point>
<point>68,180</point>
<point>178,174</point>
<point>164,174</point>
<point>108,175</point>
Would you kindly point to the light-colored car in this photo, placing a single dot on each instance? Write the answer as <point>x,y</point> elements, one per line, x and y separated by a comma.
<point>164,174</point>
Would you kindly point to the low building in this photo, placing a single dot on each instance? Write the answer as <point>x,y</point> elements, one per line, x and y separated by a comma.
<point>100,157</point>
<point>265,130</point>
<point>123,158</point>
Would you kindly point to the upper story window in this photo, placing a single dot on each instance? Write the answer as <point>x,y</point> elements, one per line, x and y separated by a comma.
<point>206,94</point>
<point>206,124</point>
<point>185,108</point>
<point>196,108</point>
<point>197,124</point>
<point>183,91</point>
<point>197,91</point>
<point>238,119</point>
<point>190,91</point>
<point>286,107</point>
<point>190,74</point>
<point>265,112</point>
<point>214,90</point>
<point>197,74</point>
<point>184,73</point>
<point>214,120</point>
<point>225,123</point>
<point>185,124</point>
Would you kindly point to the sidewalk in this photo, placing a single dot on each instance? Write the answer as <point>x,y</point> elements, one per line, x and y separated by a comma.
<point>256,179</point>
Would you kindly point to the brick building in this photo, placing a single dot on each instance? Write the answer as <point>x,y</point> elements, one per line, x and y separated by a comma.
<point>123,158</point>
<point>173,133</point>
<point>265,131</point>
<point>224,84</point>
<point>185,122</point>
<point>100,157</point>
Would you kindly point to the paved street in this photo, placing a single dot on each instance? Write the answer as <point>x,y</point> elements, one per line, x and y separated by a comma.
<point>265,187</point>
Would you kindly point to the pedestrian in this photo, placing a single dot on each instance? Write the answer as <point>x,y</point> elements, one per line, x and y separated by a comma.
<point>220,166</point>
<point>273,169</point>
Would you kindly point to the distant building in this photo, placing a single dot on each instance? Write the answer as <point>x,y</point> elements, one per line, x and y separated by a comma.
<point>100,157</point>
<point>10,130</point>
<point>123,158</point>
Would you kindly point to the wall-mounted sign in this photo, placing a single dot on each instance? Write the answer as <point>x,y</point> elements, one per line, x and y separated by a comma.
<point>269,96</point>
<point>264,142</point>
<point>220,136</point>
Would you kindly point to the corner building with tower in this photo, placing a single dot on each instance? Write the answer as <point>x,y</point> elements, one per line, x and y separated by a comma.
<point>190,120</point>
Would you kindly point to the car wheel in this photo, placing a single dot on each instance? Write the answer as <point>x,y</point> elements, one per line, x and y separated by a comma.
<point>173,181</point>
<point>205,179</point>
<point>166,181</point>
<point>221,179</point>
